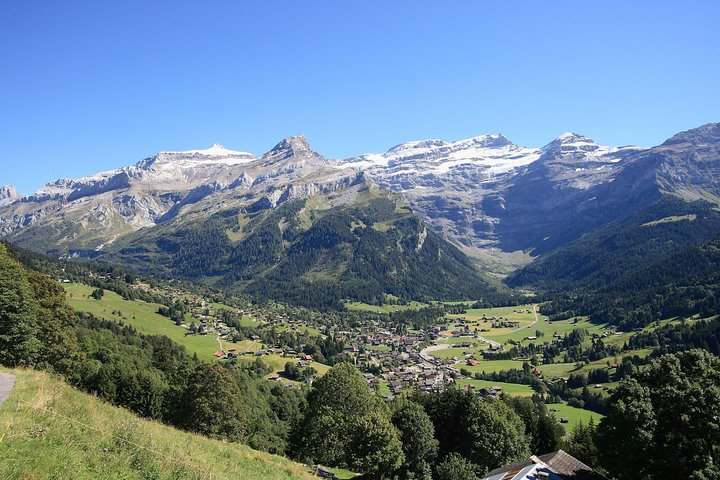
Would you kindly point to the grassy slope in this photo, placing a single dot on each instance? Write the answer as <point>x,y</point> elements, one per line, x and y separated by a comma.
<point>574,415</point>
<point>141,315</point>
<point>50,430</point>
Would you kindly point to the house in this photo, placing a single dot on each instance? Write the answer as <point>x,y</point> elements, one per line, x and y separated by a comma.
<point>558,465</point>
<point>472,362</point>
<point>219,354</point>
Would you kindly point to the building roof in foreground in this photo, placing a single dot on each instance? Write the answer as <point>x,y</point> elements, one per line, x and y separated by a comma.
<point>558,465</point>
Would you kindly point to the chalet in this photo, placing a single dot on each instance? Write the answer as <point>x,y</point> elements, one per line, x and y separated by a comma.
<point>219,354</point>
<point>472,362</point>
<point>558,465</point>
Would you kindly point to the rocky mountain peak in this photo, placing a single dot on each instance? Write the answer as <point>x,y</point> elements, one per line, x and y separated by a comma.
<point>8,192</point>
<point>295,143</point>
<point>705,134</point>
<point>411,147</point>
<point>295,146</point>
<point>570,145</point>
<point>493,140</point>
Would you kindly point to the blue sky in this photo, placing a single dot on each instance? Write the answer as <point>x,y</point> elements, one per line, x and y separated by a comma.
<point>90,86</point>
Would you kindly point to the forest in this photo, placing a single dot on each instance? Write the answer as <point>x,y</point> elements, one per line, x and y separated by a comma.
<point>635,270</point>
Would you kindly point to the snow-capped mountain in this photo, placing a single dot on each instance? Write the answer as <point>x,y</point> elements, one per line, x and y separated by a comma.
<point>492,154</point>
<point>498,200</point>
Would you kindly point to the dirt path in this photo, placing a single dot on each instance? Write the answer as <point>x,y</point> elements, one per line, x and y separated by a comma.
<point>537,319</point>
<point>7,382</point>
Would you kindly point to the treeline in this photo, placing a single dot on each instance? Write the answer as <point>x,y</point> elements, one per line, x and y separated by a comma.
<point>149,375</point>
<point>703,334</point>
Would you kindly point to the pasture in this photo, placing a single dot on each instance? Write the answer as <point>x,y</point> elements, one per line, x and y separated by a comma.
<point>141,315</point>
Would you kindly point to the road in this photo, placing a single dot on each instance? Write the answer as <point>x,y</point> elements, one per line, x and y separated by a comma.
<point>7,382</point>
<point>425,353</point>
<point>537,319</point>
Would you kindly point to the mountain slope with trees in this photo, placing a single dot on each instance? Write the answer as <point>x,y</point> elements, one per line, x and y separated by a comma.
<point>660,262</point>
<point>313,252</point>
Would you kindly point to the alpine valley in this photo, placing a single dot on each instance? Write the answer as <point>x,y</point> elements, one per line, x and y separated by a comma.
<point>424,220</point>
<point>447,311</point>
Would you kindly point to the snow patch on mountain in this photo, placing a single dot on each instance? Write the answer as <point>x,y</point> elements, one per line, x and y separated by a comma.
<point>216,150</point>
<point>492,153</point>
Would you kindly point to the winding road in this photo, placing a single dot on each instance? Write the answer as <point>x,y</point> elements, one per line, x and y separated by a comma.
<point>7,382</point>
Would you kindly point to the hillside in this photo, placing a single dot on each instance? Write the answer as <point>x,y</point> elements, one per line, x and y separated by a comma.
<point>625,245</point>
<point>360,242</point>
<point>652,265</point>
<point>50,430</point>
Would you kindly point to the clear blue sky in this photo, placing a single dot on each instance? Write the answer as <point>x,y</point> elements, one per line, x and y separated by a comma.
<point>94,85</point>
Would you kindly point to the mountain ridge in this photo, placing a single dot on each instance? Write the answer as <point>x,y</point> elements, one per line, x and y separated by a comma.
<point>498,202</point>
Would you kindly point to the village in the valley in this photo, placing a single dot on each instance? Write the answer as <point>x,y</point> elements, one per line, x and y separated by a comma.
<point>391,362</point>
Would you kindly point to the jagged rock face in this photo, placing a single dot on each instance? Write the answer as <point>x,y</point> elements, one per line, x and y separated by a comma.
<point>8,194</point>
<point>8,191</point>
<point>485,193</point>
<point>691,163</point>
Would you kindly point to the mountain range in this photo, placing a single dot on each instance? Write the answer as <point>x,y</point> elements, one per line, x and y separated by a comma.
<point>483,202</point>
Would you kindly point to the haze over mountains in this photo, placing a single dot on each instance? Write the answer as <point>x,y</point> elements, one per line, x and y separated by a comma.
<point>499,203</point>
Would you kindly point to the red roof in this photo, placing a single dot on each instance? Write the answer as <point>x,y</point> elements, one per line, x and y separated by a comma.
<point>472,363</point>
<point>219,354</point>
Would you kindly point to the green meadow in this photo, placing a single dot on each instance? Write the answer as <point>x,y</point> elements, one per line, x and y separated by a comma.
<point>141,315</point>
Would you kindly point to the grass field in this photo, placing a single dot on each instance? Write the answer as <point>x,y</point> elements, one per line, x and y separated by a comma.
<point>312,331</point>
<point>366,307</point>
<point>508,388</point>
<point>50,430</point>
<point>548,329</point>
<point>277,362</point>
<point>458,352</point>
<point>243,346</point>
<point>574,415</point>
<point>565,369</point>
<point>490,366</point>
<point>141,315</point>
<point>379,348</point>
